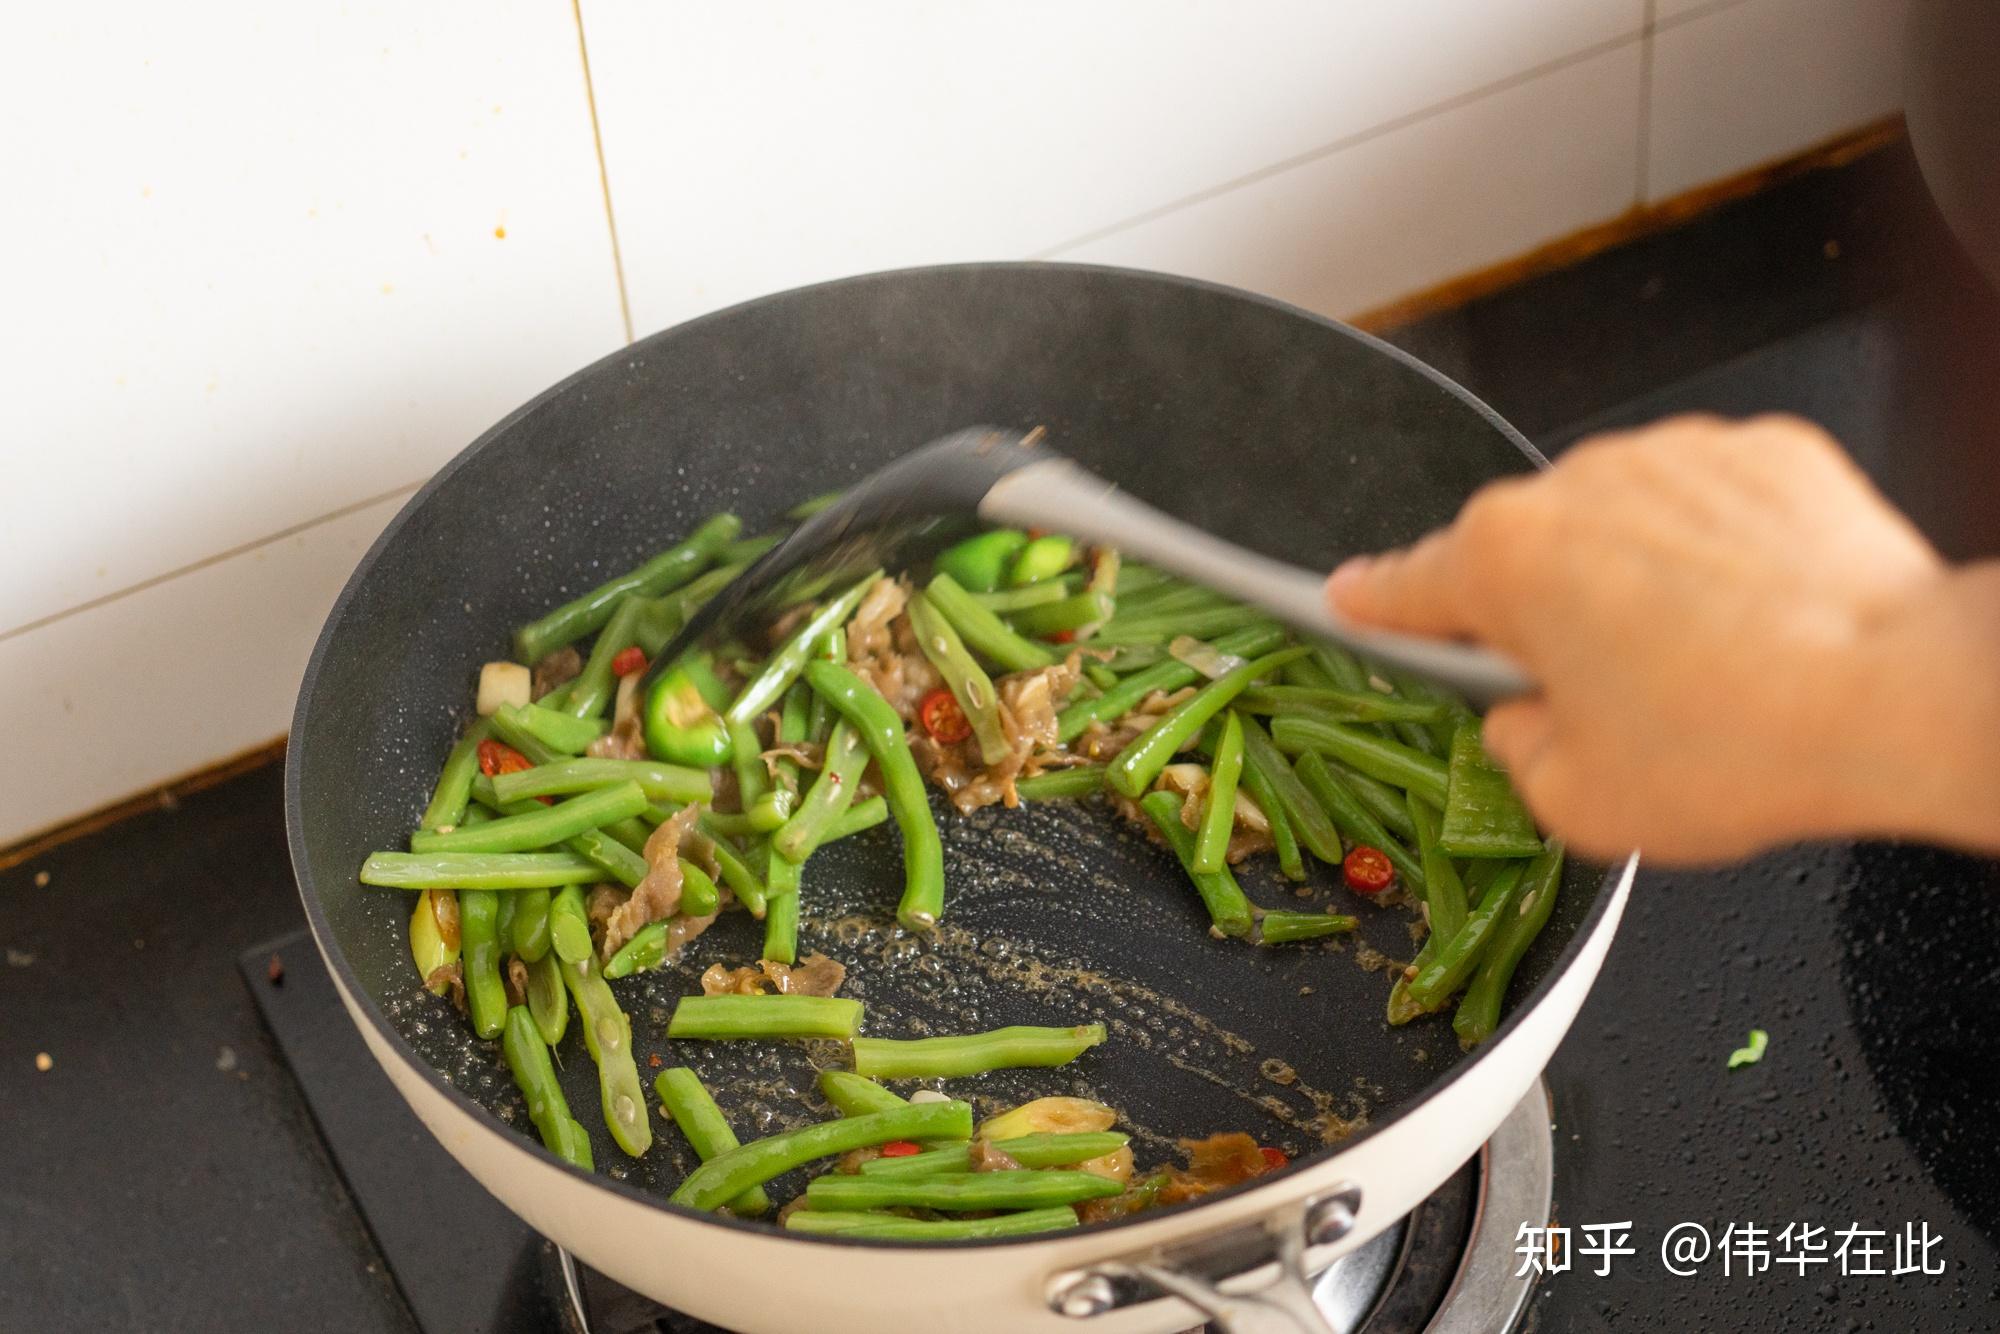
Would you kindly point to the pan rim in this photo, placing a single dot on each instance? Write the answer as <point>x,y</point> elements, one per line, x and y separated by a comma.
<point>364,1003</point>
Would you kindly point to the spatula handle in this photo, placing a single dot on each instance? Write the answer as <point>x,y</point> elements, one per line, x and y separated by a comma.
<point>1055,493</point>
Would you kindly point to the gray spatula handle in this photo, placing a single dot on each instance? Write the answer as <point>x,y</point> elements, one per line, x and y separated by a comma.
<point>1055,493</point>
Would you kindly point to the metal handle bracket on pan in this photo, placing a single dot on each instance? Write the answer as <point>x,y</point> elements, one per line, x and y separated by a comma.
<point>1212,1274</point>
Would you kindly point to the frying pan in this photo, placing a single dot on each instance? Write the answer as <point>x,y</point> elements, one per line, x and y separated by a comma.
<point>1290,434</point>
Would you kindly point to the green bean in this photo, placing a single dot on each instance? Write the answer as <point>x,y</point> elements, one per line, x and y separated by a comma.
<point>548,1000</point>
<point>645,951</point>
<point>681,725</point>
<point>1218,815</point>
<point>1385,803</point>
<point>1402,1007</point>
<point>783,667</point>
<point>454,784</point>
<point>831,793</point>
<point>981,562</point>
<point>729,824</point>
<point>1166,676</point>
<point>746,549</point>
<point>1041,558</point>
<point>1308,818</point>
<point>670,569</point>
<point>1077,612</point>
<point>661,618</point>
<point>613,855</point>
<point>966,679</point>
<point>1444,892</point>
<point>660,782</point>
<point>528,1059</point>
<point>629,834</point>
<point>1228,906</point>
<point>607,1033</point>
<point>1048,1149</point>
<point>895,1227</point>
<point>1482,815</point>
<point>1284,839</point>
<point>782,887</point>
<point>1013,1048</point>
<point>569,925</point>
<point>530,933</point>
<point>1307,674</point>
<point>861,815</point>
<point>429,950</point>
<point>852,1095</point>
<point>477,870</point>
<point>1057,784</point>
<point>689,1103</point>
<point>558,731</point>
<point>781,799</point>
<point>1140,763</point>
<point>753,780</point>
<point>479,957</point>
<point>882,732</point>
<point>1479,1010</point>
<point>1377,756</point>
<point>699,896</point>
<point>1099,675</point>
<point>1355,822</point>
<point>547,826</point>
<point>962,1192</point>
<point>592,689</point>
<point>1337,706</point>
<point>508,729</point>
<point>781,1016</point>
<point>728,1175</point>
<point>1005,600</point>
<point>1453,962</point>
<point>1138,577</point>
<point>1176,599</point>
<point>820,718</point>
<point>1281,928</point>
<point>1197,624</point>
<point>983,631</point>
<point>742,881</point>
<point>812,505</point>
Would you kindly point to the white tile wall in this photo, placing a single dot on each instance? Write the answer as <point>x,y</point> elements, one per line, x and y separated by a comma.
<point>265,291</point>
<point>1758,81</point>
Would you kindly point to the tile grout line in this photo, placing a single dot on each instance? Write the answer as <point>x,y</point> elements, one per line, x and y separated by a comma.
<point>1341,145</point>
<point>240,549</point>
<point>603,173</point>
<point>1642,177</point>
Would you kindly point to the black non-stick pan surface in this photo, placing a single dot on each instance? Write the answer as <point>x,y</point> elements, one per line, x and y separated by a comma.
<point>1290,434</point>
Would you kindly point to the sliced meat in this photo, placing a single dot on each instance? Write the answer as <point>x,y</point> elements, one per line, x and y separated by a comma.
<point>1028,703</point>
<point>984,1157</point>
<point>627,738</point>
<point>1100,742</point>
<point>564,665</point>
<point>816,975</point>
<point>517,981</point>
<point>882,649</point>
<point>657,896</point>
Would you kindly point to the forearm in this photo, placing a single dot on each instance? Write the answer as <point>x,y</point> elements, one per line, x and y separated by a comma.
<point>1919,744</point>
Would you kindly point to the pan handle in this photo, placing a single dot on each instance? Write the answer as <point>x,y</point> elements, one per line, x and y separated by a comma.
<point>1283,1304</point>
<point>1055,493</point>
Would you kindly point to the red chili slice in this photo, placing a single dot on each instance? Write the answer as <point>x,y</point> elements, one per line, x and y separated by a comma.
<point>1273,1158</point>
<point>497,757</point>
<point>628,660</point>
<point>1063,637</point>
<point>901,1148</point>
<point>1367,870</point>
<point>942,717</point>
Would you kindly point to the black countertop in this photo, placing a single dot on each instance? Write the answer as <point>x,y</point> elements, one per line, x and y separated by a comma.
<point>164,1173</point>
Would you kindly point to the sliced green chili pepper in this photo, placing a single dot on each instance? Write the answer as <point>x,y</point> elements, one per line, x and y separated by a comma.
<point>981,562</point>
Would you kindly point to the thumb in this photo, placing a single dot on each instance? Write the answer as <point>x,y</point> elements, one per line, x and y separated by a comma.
<point>1415,590</point>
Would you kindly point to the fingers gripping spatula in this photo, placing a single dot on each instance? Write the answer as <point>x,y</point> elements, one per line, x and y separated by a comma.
<point>906,511</point>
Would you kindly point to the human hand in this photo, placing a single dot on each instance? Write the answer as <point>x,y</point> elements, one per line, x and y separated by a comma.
<point>1726,620</point>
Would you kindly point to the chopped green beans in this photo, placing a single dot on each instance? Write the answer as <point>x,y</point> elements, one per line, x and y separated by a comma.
<point>782,668</point>
<point>528,1059</point>
<point>1482,816</point>
<point>660,782</point>
<point>746,549</point>
<point>753,780</point>
<point>831,793</point>
<point>506,727</point>
<point>558,731</point>
<point>1354,821</point>
<point>982,561</point>
<point>1197,624</point>
<point>1166,676</point>
<point>548,825</point>
<point>861,815</point>
<point>1030,595</point>
<point>984,632</point>
<point>645,951</point>
<point>593,687</point>
<point>548,999</point>
<point>1228,906</point>
<point>689,1103</point>
<point>1444,893</point>
<point>1218,815</point>
<point>882,732</point>
<point>765,1017</point>
<point>668,570</point>
<point>1308,818</point>
<point>782,903</point>
<point>478,870</point>
<point>1280,928</point>
<point>972,1053</point>
<point>569,925</point>
<point>1056,784</point>
<point>1042,558</point>
<point>1047,1149</point>
<point>1079,610</point>
<point>1452,964</point>
<point>454,784</point>
<point>728,1175</point>
<point>895,1227</point>
<point>530,930</point>
<point>852,1095</point>
<point>699,896</point>
<point>1377,756</point>
<point>479,957</point>
<point>1336,706</point>
<point>1140,763</point>
<point>812,505</point>
<point>1385,803</point>
<point>607,1034</point>
<point>1479,1010</point>
<point>961,1192</point>
<point>1284,840</point>
<point>968,682</point>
